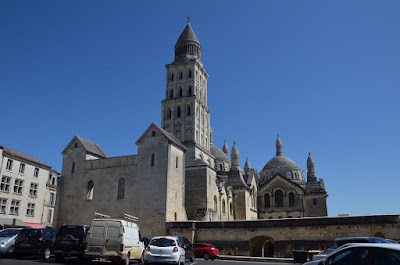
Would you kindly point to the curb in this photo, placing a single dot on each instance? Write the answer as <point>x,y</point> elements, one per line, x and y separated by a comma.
<point>256,259</point>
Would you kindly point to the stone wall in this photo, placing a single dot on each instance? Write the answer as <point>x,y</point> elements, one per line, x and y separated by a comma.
<point>285,235</point>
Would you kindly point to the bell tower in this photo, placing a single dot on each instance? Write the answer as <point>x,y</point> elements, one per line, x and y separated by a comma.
<point>184,110</point>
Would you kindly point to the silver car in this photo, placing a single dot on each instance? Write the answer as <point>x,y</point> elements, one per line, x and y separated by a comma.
<point>7,240</point>
<point>164,249</point>
<point>363,254</point>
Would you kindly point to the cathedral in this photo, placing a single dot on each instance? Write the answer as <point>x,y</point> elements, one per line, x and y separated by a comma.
<point>178,173</point>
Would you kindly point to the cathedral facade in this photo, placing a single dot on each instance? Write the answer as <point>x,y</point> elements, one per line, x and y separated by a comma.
<point>178,173</point>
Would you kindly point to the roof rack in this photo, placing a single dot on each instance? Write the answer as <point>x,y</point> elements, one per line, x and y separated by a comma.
<point>130,217</point>
<point>100,215</point>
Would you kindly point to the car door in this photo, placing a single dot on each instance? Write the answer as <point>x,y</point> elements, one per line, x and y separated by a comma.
<point>112,242</point>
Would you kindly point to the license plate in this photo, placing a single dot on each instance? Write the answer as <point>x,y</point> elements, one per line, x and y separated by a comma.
<point>25,245</point>
<point>65,242</point>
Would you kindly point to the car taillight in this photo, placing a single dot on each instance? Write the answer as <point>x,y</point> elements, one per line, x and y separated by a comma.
<point>41,239</point>
<point>148,248</point>
<point>121,247</point>
<point>175,249</point>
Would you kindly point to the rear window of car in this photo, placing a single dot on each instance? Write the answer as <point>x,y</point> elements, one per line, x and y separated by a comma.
<point>75,231</point>
<point>342,242</point>
<point>162,242</point>
<point>30,232</point>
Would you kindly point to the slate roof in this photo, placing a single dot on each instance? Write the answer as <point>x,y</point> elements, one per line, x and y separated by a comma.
<point>188,35</point>
<point>91,147</point>
<point>23,156</point>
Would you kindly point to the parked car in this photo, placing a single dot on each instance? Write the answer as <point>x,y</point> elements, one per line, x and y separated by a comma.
<point>114,240</point>
<point>187,246</point>
<point>37,241</point>
<point>70,241</point>
<point>7,240</point>
<point>206,251</point>
<point>164,249</point>
<point>362,254</point>
<point>338,242</point>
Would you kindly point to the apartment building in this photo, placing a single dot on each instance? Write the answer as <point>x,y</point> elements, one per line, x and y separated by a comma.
<point>27,190</point>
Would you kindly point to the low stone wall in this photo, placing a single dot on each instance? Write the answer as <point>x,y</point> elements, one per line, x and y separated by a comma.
<point>279,237</point>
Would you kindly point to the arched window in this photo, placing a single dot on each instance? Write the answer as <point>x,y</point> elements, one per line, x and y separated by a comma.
<point>181,75</point>
<point>172,77</point>
<point>190,91</point>
<point>175,216</point>
<point>314,201</point>
<point>223,205</point>
<point>90,190</point>
<point>73,167</point>
<point>171,93</point>
<point>278,198</point>
<point>169,113</point>
<point>190,74</point>
<point>291,199</point>
<point>180,92</point>
<point>230,208</point>
<point>178,112</point>
<point>121,189</point>
<point>267,201</point>
<point>188,111</point>
<point>220,167</point>
<point>215,203</point>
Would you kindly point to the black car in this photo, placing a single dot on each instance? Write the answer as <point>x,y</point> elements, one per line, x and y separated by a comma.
<point>69,241</point>
<point>36,241</point>
<point>185,244</point>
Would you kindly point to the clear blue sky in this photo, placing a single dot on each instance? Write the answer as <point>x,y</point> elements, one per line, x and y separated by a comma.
<point>324,75</point>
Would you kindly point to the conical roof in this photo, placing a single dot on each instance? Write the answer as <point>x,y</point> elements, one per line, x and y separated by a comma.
<point>188,35</point>
<point>188,46</point>
<point>234,151</point>
<point>247,164</point>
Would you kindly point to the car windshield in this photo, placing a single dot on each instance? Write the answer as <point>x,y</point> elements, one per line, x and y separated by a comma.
<point>162,242</point>
<point>9,232</point>
<point>212,246</point>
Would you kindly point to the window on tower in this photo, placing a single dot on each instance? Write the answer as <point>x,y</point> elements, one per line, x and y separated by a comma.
<point>169,114</point>
<point>180,92</point>
<point>171,93</point>
<point>188,110</point>
<point>190,74</point>
<point>190,91</point>
<point>172,77</point>
<point>181,75</point>
<point>178,112</point>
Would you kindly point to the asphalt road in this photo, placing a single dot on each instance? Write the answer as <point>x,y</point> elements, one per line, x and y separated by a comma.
<point>35,261</point>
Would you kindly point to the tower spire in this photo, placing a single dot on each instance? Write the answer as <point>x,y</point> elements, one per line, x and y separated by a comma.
<point>310,169</point>
<point>188,20</point>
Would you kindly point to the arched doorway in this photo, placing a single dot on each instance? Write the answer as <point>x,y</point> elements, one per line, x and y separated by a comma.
<point>262,246</point>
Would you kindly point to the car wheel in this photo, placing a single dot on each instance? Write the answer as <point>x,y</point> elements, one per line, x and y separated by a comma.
<point>191,259</point>
<point>46,254</point>
<point>206,256</point>
<point>126,260</point>
<point>59,257</point>
<point>10,251</point>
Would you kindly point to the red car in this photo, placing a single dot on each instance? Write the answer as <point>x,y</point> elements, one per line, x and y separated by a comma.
<point>207,251</point>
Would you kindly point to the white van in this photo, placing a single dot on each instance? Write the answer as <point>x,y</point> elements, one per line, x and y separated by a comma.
<point>115,240</point>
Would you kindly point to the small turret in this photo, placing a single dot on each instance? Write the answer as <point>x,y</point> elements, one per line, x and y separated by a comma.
<point>235,156</point>
<point>279,148</point>
<point>247,166</point>
<point>310,169</point>
<point>225,149</point>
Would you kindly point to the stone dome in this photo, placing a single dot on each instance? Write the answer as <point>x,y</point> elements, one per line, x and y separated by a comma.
<point>218,153</point>
<point>283,166</point>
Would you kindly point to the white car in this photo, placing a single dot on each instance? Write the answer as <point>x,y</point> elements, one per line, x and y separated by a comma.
<point>164,249</point>
<point>362,254</point>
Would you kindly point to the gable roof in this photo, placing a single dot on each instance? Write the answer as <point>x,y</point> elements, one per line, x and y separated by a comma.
<point>23,156</point>
<point>169,136</point>
<point>282,179</point>
<point>90,147</point>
